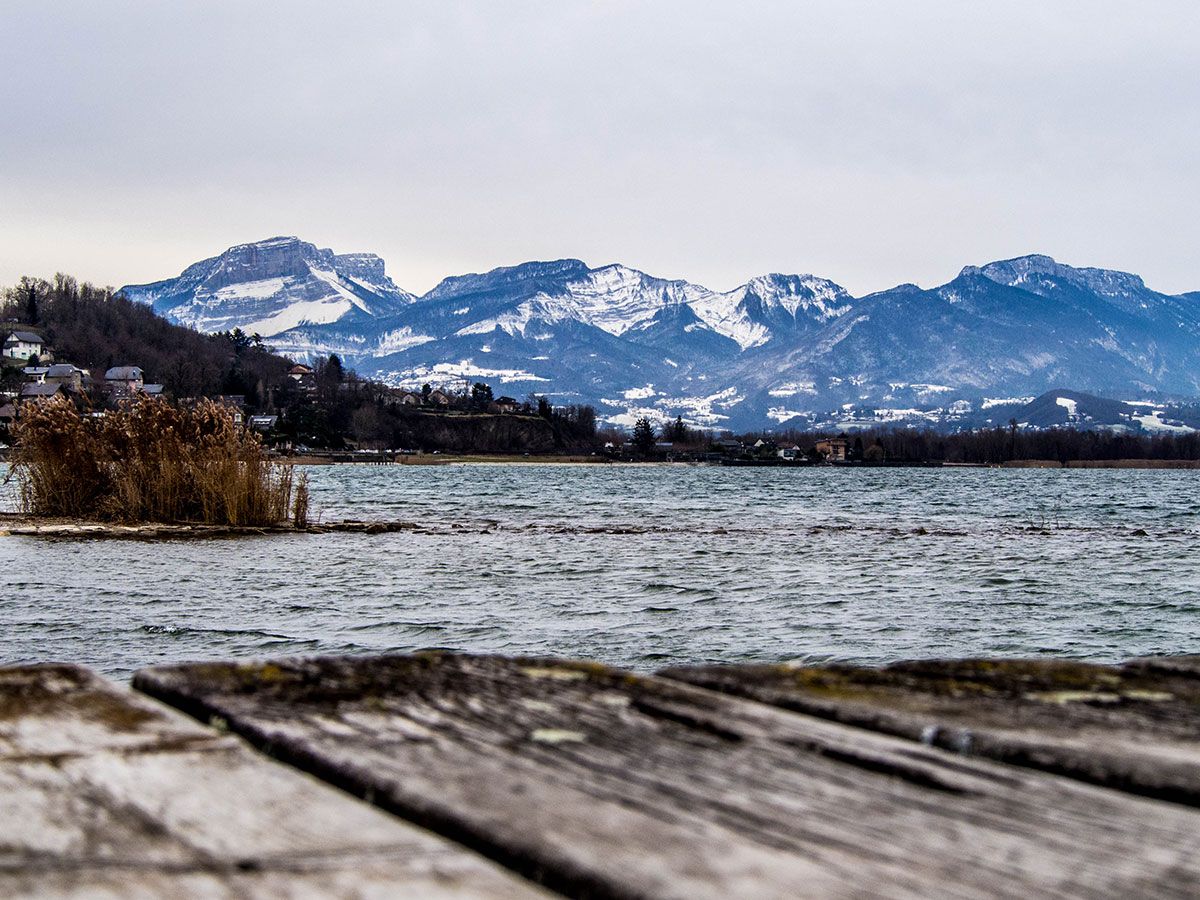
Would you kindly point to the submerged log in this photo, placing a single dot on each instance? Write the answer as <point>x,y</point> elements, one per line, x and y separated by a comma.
<point>1134,727</point>
<point>598,782</point>
<point>106,793</point>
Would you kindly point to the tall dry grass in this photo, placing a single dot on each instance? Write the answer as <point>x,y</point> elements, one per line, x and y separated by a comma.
<point>149,461</point>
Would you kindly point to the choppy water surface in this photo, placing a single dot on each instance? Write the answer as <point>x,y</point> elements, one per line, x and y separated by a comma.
<point>644,567</point>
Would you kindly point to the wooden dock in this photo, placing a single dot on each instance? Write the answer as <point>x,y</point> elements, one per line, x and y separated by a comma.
<point>449,775</point>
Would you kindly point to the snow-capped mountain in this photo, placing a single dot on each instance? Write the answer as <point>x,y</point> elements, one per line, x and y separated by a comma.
<point>271,286</point>
<point>794,350</point>
<point>1016,328</point>
<point>772,305</point>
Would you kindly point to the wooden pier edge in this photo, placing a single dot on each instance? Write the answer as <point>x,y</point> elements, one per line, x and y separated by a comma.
<point>105,792</point>
<point>1132,727</point>
<point>700,782</point>
<point>598,782</point>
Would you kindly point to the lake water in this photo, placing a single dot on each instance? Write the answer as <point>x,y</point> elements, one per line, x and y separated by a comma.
<point>646,567</point>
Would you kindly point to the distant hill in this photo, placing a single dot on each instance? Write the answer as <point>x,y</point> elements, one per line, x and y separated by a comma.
<point>781,350</point>
<point>1072,408</point>
<point>1062,408</point>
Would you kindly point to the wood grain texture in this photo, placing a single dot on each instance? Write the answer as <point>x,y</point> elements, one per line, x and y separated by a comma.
<point>602,783</point>
<point>1134,727</point>
<point>105,793</point>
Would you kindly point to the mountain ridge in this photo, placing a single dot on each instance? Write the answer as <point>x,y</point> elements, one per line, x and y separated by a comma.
<point>778,350</point>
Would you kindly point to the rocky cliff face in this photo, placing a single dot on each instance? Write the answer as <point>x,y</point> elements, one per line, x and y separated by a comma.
<point>270,286</point>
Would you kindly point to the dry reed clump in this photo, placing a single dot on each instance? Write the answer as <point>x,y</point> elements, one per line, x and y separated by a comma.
<point>300,507</point>
<point>148,461</point>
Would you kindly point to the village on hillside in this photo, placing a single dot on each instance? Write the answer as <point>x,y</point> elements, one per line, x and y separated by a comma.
<point>29,371</point>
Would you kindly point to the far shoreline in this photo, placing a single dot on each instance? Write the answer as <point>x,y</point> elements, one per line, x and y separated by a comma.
<point>504,459</point>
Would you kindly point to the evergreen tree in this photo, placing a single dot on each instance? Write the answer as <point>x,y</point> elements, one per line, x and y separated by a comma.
<point>675,431</point>
<point>240,340</point>
<point>31,300</point>
<point>643,435</point>
<point>481,395</point>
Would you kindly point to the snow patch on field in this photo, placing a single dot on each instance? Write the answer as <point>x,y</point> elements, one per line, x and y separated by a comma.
<point>702,411</point>
<point>899,415</point>
<point>792,388</point>
<point>699,412</point>
<point>1154,422</point>
<point>454,374</point>
<point>1071,406</point>
<point>642,393</point>
<point>781,414</point>
<point>989,402</point>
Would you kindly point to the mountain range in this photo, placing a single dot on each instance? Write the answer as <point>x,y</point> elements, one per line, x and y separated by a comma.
<point>781,350</point>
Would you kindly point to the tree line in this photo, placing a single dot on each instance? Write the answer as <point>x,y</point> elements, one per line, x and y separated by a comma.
<point>999,445</point>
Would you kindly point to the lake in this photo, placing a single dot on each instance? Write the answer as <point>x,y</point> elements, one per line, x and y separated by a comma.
<point>646,566</point>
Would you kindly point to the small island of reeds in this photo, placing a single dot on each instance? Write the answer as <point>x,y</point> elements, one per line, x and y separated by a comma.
<point>150,461</point>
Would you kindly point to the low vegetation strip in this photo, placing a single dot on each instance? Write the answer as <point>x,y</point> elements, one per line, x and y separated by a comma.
<point>147,461</point>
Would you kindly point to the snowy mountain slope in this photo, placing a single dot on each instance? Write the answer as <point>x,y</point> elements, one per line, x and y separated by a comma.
<point>770,304</point>
<point>271,286</point>
<point>780,349</point>
<point>976,337</point>
<point>613,298</point>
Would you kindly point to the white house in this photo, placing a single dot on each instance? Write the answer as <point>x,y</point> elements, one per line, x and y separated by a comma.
<point>23,345</point>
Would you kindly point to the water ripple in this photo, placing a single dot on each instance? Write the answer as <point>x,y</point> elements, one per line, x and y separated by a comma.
<point>645,567</point>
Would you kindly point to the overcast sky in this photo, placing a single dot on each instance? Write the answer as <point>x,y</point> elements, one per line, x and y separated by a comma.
<point>869,142</point>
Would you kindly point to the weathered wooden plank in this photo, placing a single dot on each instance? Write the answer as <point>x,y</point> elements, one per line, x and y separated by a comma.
<point>605,783</point>
<point>1134,727</point>
<point>104,792</point>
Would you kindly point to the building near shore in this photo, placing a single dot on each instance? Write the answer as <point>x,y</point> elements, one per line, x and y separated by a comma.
<point>833,449</point>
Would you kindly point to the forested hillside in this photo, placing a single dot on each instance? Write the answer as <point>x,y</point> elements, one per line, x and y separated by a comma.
<point>93,329</point>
